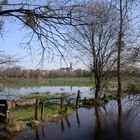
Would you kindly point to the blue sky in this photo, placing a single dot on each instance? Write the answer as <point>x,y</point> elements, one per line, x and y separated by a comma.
<point>13,35</point>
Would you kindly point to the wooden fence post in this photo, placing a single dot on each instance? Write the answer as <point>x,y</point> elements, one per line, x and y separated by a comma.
<point>77,98</point>
<point>42,110</point>
<point>36,110</point>
<point>7,116</point>
<point>66,107</point>
<point>61,102</point>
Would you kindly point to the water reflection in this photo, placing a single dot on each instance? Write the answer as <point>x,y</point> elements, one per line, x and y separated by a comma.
<point>16,93</point>
<point>68,123</point>
<point>98,127</point>
<point>118,120</point>
<point>37,134</point>
<point>77,118</point>
<point>62,125</point>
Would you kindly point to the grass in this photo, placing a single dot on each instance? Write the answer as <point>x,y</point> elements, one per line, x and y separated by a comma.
<point>68,81</point>
<point>102,101</point>
<point>45,95</point>
<point>26,114</point>
<point>71,81</point>
<point>20,117</point>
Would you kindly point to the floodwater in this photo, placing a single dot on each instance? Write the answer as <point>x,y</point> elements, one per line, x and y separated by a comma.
<point>17,93</point>
<point>118,120</point>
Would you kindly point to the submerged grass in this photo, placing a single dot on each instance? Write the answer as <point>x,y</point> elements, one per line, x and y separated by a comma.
<point>45,95</point>
<point>104,100</point>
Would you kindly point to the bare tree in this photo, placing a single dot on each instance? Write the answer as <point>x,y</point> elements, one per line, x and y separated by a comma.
<point>96,40</point>
<point>7,59</point>
<point>45,22</point>
<point>125,10</point>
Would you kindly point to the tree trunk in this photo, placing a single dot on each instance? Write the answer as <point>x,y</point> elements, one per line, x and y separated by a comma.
<point>119,52</point>
<point>119,121</point>
<point>119,74</point>
<point>97,87</point>
<point>97,77</point>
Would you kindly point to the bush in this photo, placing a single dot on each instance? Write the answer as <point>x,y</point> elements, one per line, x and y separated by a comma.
<point>132,88</point>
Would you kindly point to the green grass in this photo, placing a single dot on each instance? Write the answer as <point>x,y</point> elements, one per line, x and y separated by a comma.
<point>22,113</point>
<point>68,81</point>
<point>26,113</point>
<point>20,117</point>
<point>72,81</point>
<point>45,95</point>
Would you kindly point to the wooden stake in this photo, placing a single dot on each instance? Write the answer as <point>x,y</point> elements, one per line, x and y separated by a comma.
<point>77,99</point>
<point>61,102</point>
<point>36,110</point>
<point>42,110</point>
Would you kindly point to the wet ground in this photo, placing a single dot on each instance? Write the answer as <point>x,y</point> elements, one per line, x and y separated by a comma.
<point>17,93</point>
<point>118,120</point>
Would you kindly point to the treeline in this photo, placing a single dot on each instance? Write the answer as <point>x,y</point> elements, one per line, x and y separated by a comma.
<point>17,72</point>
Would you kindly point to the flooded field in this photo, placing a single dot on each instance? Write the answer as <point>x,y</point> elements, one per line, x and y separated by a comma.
<point>16,93</point>
<point>118,120</point>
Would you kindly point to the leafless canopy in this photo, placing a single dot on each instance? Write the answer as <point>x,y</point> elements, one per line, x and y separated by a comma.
<point>46,22</point>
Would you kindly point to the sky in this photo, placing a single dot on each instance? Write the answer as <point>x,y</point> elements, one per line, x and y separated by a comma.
<point>13,35</point>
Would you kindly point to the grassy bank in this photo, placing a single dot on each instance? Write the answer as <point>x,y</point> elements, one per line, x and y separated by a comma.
<point>26,114</point>
<point>21,117</point>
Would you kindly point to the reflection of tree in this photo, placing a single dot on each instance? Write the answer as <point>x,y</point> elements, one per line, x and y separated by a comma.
<point>62,125</point>
<point>77,117</point>
<point>37,134</point>
<point>71,88</point>
<point>68,122</point>
<point>124,124</point>
<point>134,103</point>
<point>119,122</point>
<point>97,124</point>
<point>42,130</point>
